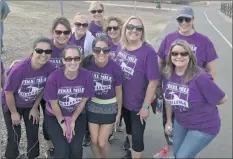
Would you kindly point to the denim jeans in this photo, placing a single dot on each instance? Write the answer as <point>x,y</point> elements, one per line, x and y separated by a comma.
<point>188,143</point>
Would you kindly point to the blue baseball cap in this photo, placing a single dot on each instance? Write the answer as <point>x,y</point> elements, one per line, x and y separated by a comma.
<point>185,12</point>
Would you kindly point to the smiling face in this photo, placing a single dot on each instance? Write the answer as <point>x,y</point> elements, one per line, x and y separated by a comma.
<point>72,60</point>
<point>101,52</point>
<point>97,13</point>
<point>134,30</point>
<point>113,30</point>
<point>179,56</point>
<point>185,24</point>
<point>42,53</point>
<point>61,34</point>
<point>81,25</point>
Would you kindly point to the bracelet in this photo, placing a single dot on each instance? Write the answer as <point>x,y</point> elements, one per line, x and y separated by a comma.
<point>62,121</point>
<point>146,106</point>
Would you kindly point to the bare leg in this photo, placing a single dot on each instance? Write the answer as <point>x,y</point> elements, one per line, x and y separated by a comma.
<point>94,132</point>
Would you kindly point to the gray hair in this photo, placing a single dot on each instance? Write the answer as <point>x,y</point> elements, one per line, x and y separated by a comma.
<point>192,70</point>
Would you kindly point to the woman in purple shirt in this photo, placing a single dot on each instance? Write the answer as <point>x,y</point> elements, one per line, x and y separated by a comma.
<point>202,48</point>
<point>138,61</point>
<point>97,12</point>
<point>22,95</point>
<point>192,95</point>
<point>66,92</point>
<point>104,109</point>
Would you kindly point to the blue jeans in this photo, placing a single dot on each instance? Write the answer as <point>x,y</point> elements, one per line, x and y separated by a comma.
<point>188,143</point>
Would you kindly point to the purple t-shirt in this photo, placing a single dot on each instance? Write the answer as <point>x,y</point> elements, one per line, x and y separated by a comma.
<point>69,93</point>
<point>2,68</point>
<point>26,83</point>
<point>201,46</point>
<point>56,58</point>
<point>106,79</point>
<point>79,42</point>
<point>95,29</point>
<point>139,66</point>
<point>113,48</point>
<point>194,103</point>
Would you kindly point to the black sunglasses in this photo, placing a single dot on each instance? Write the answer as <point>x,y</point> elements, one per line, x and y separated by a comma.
<point>98,11</point>
<point>132,27</point>
<point>84,25</point>
<point>174,53</point>
<point>105,50</point>
<point>59,32</point>
<point>69,59</point>
<point>115,28</point>
<point>40,51</point>
<point>181,19</point>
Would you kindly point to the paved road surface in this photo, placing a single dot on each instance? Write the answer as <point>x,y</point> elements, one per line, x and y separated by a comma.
<point>221,147</point>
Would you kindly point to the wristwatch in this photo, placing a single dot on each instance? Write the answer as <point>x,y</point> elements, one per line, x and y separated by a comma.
<point>146,106</point>
<point>62,121</point>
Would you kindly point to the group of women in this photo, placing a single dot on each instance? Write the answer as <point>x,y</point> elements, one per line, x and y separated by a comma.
<point>88,77</point>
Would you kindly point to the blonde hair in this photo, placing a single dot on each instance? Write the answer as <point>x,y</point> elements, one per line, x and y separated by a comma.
<point>192,69</point>
<point>95,4</point>
<point>119,21</point>
<point>124,41</point>
<point>80,15</point>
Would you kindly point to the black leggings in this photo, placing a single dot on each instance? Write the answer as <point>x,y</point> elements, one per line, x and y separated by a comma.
<point>14,135</point>
<point>43,105</point>
<point>135,128</point>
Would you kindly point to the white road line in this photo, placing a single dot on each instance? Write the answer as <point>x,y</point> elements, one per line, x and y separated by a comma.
<point>132,6</point>
<point>217,30</point>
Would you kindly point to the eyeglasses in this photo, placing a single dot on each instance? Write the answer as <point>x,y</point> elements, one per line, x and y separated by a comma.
<point>84,25</point>
<point>132,27</point>
<point>40,51</point>
<point>59,32</point>
<point>69,59</point>
<point>115,28</point>
<point>181,19</point>
<point>98,11</point>
<point>183,54</point>
<point>105,50</point>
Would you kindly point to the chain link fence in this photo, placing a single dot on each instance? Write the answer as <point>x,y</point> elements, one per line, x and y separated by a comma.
<point>226,8</point>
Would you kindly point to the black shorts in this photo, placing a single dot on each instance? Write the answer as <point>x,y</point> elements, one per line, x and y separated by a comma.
<point>135,128</point>
<point>45,133</point>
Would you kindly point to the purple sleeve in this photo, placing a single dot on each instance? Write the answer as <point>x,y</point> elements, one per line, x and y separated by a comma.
<point>162,48</point>
<point>118,75</point>
<point>209,89</point>
<point>151,65</point>
<point>13,80</point>
<point>2,68</point>
<point>50,91</point>
<point>210,52</point>
<point>89,86</point>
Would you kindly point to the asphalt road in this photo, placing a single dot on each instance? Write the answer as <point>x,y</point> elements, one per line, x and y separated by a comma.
<point>221,147</point>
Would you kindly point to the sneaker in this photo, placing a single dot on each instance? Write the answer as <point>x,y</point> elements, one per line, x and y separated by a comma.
<point>126,145</point>
<point>128,155</point>
<point>87,140</point>
<point>111,137</point>
<point>50,153</point>
<point>162,153</point>
<point>121,127</point>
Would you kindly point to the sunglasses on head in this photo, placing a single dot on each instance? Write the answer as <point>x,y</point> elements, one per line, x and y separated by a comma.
<point>181,19</point>
<point>98,11</point>
<point>105,50</point>
<point>59,32</point>
<point>115,28</point>
<point>84,25</point>
<point>40,51</point>
<point>69,59</point>
<point>174,53</point>
<point>132,27</point>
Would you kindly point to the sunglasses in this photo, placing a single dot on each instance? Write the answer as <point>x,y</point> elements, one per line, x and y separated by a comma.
<point>105,50</point>
<point>59,32</point>
<point>132,27</point>
<point>40,51</point>
<point>69,59</point>
<point>183,54</point>
<point>181,19</point>
<point>114,28</point>
<point>84,25</point>
<point>98,11</point>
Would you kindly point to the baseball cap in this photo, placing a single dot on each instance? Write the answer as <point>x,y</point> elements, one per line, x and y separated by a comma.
<point>185,12</point>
